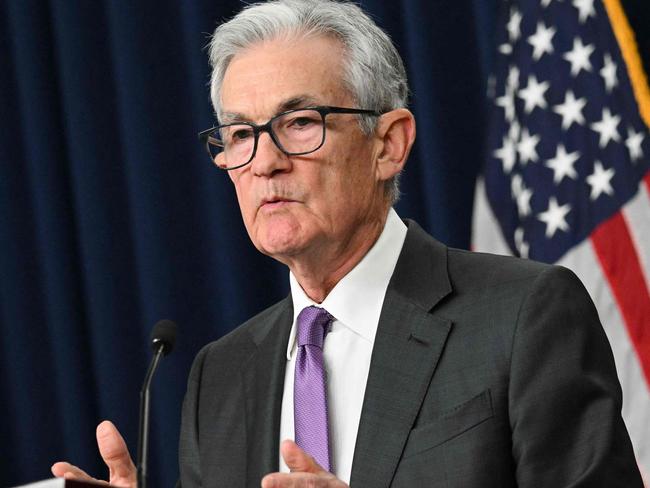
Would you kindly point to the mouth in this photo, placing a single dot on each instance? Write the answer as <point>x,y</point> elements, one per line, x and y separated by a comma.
<point>275,202</point>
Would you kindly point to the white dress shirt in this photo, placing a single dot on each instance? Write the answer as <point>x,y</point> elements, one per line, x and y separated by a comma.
<point>355,303</point>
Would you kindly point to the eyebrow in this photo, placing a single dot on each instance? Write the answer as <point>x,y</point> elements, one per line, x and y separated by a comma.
<point>287,104</point>
<point>297,102</point>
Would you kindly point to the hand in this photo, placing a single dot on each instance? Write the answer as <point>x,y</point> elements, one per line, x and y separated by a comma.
<point>113,450</point>
<point>305,472</point>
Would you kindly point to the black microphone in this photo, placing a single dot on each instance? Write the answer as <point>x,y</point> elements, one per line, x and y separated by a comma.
<point>163,337</point>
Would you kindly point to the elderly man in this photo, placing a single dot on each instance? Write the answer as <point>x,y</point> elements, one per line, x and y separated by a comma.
<point>395,361</point>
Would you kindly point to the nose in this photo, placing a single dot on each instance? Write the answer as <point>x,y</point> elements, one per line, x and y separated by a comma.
<point>269,159</point>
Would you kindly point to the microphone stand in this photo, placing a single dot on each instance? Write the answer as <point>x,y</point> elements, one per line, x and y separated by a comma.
<point>143,437</point>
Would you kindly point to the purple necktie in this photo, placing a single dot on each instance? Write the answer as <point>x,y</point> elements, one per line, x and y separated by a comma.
<point>309,390</point>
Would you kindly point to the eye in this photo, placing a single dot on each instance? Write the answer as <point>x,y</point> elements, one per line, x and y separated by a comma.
<point>239,135</point>
<point>302,121</point>
<point>242,134</point>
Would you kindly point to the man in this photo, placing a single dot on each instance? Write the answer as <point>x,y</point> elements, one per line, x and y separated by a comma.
<point>395,361</point>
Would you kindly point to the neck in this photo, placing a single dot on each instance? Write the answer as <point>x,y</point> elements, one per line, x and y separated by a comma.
<point>319,273</point>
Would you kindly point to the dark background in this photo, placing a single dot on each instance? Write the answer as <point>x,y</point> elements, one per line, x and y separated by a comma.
<point>112,218</point>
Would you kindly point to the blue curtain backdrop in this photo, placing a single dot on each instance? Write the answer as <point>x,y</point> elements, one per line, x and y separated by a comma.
<point>112,218</point>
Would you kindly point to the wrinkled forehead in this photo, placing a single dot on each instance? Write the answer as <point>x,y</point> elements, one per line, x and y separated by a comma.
<point>272,76</point>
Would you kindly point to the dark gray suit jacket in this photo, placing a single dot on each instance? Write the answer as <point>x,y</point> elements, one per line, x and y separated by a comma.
<point>486,371</point>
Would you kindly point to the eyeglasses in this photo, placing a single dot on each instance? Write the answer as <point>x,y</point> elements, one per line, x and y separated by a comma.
<point>294,132</point>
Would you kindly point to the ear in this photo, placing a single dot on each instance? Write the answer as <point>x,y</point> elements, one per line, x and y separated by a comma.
<point>220,160</point>
<point>396,133</point>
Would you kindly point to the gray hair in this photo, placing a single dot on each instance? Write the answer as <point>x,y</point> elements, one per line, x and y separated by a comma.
<point>373,70</point>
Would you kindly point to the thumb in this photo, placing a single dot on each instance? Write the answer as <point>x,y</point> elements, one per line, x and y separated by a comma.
<point>298,460</point>
<point>114,451</point>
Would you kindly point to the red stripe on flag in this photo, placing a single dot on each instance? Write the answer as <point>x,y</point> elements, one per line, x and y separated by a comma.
<point>620,262</point>
<point>646,180</point>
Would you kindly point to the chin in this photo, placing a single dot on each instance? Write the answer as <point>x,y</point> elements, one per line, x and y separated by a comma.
<point>280,241</point>
<point>280,251</point>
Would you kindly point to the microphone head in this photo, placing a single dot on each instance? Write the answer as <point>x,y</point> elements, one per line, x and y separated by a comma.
<point>164,335</point>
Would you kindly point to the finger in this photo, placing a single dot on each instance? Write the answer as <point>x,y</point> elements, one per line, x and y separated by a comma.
<point>277,480</point>
<point>71,476</point>
<point>297,459</point>
<point>69,471</point>
<point>290,480</point>
<point>302,480</point>
<point>114,452</point>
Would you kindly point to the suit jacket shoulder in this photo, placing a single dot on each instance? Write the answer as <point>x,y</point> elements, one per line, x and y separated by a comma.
<point>253,332</point>
<point>230,422</point>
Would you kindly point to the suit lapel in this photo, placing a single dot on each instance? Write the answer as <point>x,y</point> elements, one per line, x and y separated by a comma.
<point>407,347</point>
<point>263,377</point>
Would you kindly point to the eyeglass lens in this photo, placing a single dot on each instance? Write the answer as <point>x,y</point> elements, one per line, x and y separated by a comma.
<point>300,131</point>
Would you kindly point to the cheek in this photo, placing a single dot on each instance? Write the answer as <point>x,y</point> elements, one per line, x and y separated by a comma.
<point>354,182</point>
<point>341,197</point>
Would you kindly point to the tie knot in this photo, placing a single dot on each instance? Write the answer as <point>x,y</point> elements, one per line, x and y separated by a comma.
<point>313,325</point>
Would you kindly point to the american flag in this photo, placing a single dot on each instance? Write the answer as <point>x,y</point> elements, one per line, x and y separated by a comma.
<point>566,179</point>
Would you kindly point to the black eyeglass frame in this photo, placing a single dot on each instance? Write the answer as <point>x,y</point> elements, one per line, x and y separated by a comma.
<point>207,136</point>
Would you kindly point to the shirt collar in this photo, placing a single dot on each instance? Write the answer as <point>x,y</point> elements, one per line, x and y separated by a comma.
<point>357,299</point>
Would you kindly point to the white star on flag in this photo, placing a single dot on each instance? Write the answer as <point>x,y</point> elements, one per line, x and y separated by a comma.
<point>541,40</point>
<point>554,217</point>
<point>533,94</point>
<point>571,110</point>
<point>606,127</point>
<point>579,56</point>
<point>514,131</point>
<point>512,82</point>
<point>633,143</point>
<point>522,195</point>
<point>562,164</point>
<point>507,102</point>
<point>505,48</point>
<point>523,202</point>
<point>527,147</point>
<point>522,246</point>
<point>608,72</point>
<point>600,181</point>
<point>516,185</point>
<point>585,9</point>
<point>514,25</point>
<point>507,153</point>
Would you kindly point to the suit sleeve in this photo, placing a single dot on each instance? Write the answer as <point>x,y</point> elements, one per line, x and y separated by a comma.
<point>188,449</point>
<point>564,397</point>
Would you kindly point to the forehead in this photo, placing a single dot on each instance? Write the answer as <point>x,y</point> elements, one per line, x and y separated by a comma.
<point>263,77</point>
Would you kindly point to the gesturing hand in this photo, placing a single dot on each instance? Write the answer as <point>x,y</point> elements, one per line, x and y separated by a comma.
<point>305,472</point>
<point>115,454</point>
